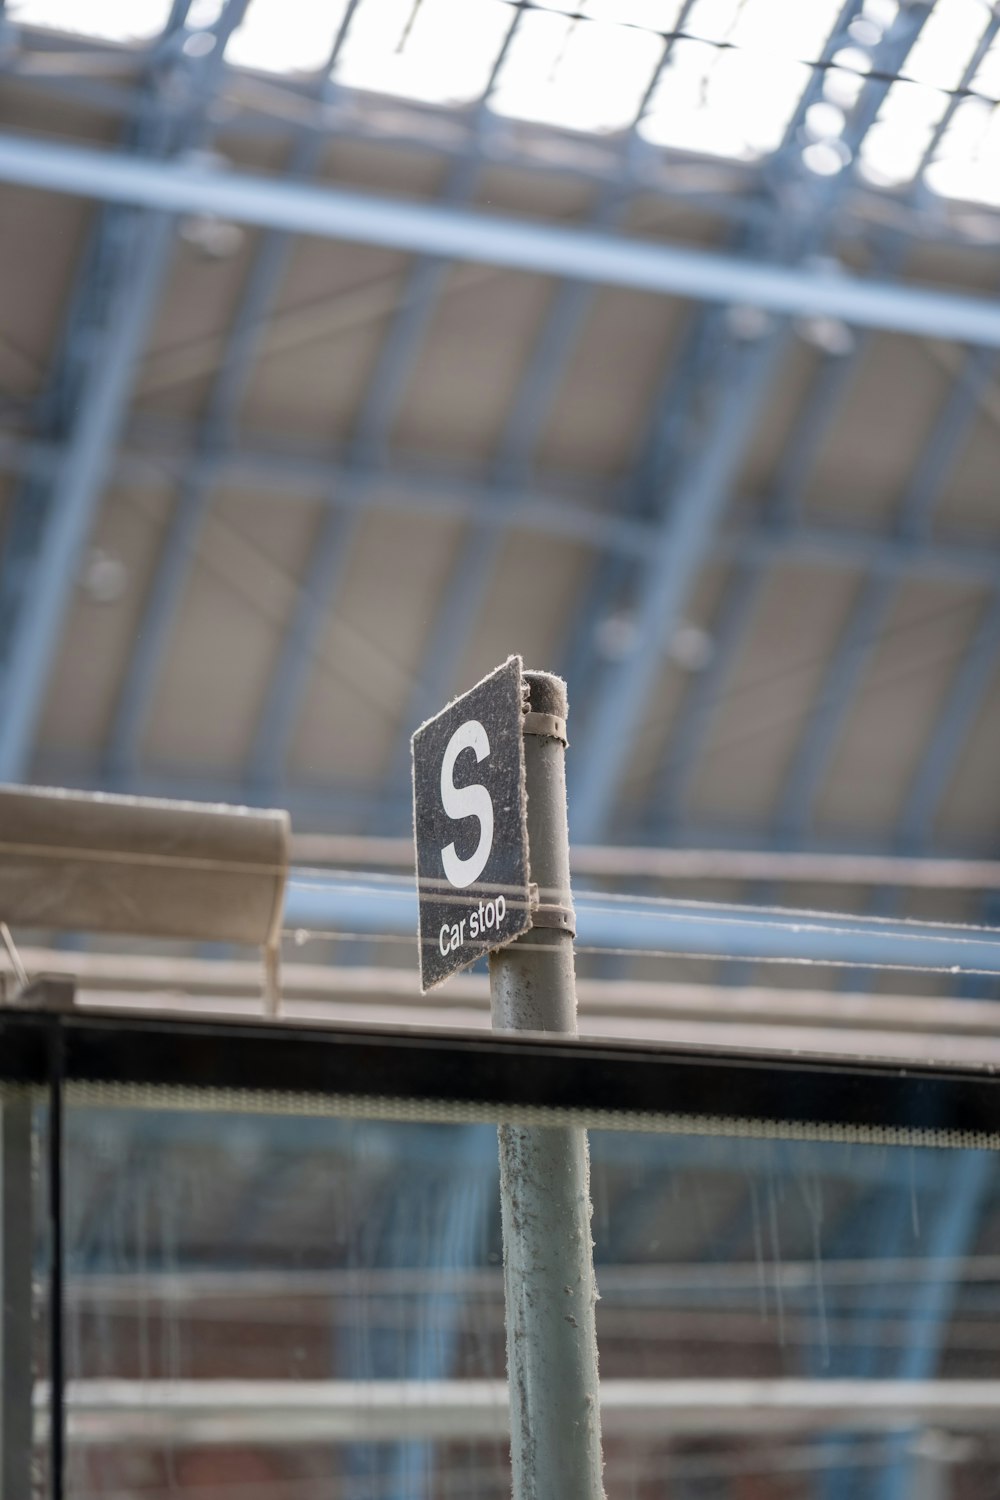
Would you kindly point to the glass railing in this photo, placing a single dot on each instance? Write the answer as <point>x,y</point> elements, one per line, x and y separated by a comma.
<point>268,1265</point>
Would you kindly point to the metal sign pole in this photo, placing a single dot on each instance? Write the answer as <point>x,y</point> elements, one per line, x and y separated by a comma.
<point>549,1279</point>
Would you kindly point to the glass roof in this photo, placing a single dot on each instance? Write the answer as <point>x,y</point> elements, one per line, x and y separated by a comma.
<point>727,86</point>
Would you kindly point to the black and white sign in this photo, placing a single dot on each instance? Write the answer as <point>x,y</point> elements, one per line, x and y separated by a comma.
<point>470,826</point>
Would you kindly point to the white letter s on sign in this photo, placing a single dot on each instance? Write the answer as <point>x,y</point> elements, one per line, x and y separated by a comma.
<point>466,802</point>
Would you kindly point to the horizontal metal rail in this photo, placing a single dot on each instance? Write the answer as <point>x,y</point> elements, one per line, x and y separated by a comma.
<point>897,1028</point>
<point>641,862</point>
<point>194,186</point>
<point>264,1412</point>
<point>389,908</point>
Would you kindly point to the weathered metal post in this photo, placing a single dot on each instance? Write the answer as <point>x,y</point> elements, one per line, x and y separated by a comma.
<point>549,1279</point>
<point>16,1363</point>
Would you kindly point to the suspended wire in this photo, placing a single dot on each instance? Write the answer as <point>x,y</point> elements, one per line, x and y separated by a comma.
<point>816,65</point>
<point>669,38</point>
<point>656,727</point>
<point>302,935</point>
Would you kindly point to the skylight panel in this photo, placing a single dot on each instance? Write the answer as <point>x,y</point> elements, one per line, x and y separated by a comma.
<point>786,27</point>
<point>966,161</point>
<point>947,41</point>
<point>737,99</point>
<point>987,79</point>
<point>285,36</point>
<point>968,164</point>
<point>723,103</point>
<point>580,74</point>
<point>441,52</point>
<point>843,82</point>
<point>105,20</point>
<point>729,87</point>
<point>894,149</point>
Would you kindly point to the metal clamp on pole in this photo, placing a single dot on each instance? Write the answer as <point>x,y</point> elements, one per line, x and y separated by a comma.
<point>557,918</point>
<point>545,1173</point>
<point>546,726</point>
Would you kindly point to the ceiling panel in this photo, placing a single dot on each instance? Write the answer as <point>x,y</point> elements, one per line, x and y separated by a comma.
<point>238,598</point>
<point>897,706</point>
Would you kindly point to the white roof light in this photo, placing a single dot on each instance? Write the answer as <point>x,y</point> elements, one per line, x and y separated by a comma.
<point>825,159</point>
<point>585,75</point>
<point>729,87</point>
<point>824,121</point>
<point>443,52</point>
<point>285,36</point>
<point>946,43</point>
<point>105,20</point>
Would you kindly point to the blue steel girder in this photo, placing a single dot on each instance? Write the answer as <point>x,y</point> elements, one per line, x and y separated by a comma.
<point>542,509</point>
<point>742,593</point>
<point>683,544</point>
<point>631,164</point>
<point>340,526</point>
<point>482,546</point>
<point>216,433</point>
<point>47,588</point>
<point>951,1238</point>
<point>846,671</point>
<point>702,482</point>
<point>895,1222</point>
<point>128,291</point>
<point>103,263</point>
<point>705,275</point>
<point>439,1219</point>
<point>741,598</point>
<point>684,377</point>
<point>964,703</point>
<point>822,733</point>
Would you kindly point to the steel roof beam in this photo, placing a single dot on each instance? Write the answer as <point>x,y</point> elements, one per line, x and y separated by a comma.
<point>705,473</point>
<point>863,632</point>
<point>954,724</point>
<point>87,462</point>
<point>491,524</point>
<point>532,404</point>
<point>348,806</point>
<point>705,694</point>
<point>680,382</point>
<point>680,547</point>
<point>202,473</point>
<point>98,414</point>
<point>192,186</point>
<point>545,511</point>
<point>339,529</point>
<point>741,598</point>
<point>846,671</point>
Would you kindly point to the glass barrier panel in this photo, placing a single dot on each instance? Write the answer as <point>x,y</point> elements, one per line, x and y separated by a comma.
<point>291,1301</point>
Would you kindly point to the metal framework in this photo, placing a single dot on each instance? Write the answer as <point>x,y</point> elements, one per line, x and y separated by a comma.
<point>649,539</point>
<point>67,464</point>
